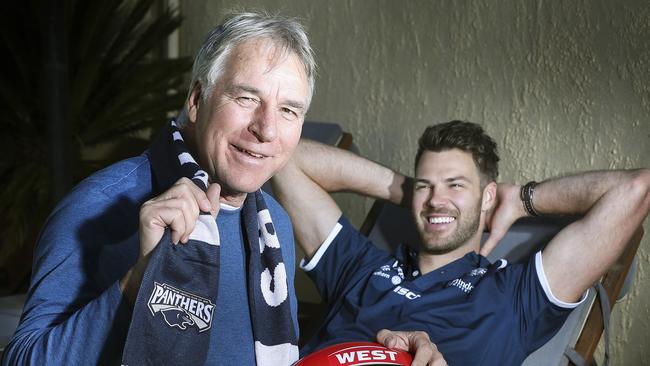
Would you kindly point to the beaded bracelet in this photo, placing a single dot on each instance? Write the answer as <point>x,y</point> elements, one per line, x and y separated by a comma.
<point>526,195</point>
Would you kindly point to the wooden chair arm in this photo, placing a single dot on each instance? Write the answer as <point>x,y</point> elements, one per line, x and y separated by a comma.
<point>612,281</point>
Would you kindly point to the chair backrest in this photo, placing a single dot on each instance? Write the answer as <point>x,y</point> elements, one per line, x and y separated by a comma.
<point>328,133</point>
<point>388,225</point>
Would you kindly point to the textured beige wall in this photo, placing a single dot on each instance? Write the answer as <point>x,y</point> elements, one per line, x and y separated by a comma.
<point>562,86</point>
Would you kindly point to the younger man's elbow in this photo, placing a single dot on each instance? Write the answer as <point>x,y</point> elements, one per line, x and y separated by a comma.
<point>638,189</point>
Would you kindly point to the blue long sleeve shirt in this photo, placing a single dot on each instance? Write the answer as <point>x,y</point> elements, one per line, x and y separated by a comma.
<point>75,313</point>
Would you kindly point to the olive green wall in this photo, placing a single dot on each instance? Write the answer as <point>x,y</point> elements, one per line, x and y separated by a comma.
<point>562,86</point>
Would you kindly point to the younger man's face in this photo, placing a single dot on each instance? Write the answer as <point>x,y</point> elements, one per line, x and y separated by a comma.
<point>447,200</point>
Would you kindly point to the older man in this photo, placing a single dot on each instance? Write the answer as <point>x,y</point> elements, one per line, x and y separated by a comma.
<point>110,284</point>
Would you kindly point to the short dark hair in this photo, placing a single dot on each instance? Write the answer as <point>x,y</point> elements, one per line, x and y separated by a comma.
<point>467,136</point>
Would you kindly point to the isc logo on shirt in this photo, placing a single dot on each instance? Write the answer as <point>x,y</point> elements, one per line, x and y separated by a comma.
<point>181,309</point>
<point>406,293</point>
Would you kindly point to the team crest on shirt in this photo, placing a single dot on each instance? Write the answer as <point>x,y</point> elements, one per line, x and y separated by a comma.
<point>181,309</point>
<point>396,277</point>
<point>478,272</point>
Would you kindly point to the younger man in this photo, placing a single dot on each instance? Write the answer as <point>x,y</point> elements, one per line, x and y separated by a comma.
<point>470,308</point>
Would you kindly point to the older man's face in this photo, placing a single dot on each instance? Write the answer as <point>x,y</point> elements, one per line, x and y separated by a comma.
<point>252,120</point>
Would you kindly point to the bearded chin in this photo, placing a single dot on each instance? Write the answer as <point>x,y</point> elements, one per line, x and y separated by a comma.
<point>465,231</point>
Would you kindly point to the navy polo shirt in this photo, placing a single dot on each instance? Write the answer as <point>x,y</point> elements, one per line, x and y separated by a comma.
<point>476,312</point>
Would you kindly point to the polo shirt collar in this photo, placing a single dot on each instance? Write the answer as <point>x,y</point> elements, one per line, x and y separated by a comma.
<point>455,269</point>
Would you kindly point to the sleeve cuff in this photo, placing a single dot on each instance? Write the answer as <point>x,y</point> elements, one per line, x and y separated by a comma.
<point>308,266</point>
<point>547,288</point>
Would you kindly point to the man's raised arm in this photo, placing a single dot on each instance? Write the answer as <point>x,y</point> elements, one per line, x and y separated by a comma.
<point>315,169</point>
<point>613,205</point>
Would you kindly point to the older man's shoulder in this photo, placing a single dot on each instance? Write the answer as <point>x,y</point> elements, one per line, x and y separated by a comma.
<point>127,178</point>
<point>278,212</point>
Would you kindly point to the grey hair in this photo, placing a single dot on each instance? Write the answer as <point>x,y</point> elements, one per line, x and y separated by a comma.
<point>286,33</point>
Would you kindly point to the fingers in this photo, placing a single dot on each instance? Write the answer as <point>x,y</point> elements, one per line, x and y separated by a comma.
<point>186,189</point>
<point>155,217</point>
<point>177,208</point>
<point>416,342</point>
<point>506,211</point>
<point>495,237</point>
<point>186,200</point>
<point>388,339</point>
<point>437,360</point>
<point>425,352</point>
<point>213,194</point>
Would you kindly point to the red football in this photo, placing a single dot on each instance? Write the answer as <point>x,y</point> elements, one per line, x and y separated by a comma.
<point>356,353</point>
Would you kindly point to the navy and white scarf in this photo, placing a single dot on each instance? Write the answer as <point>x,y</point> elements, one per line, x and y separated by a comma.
<point>173,312</point>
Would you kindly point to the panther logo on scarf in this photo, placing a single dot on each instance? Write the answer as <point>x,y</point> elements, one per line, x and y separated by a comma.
<point>181,309</point>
